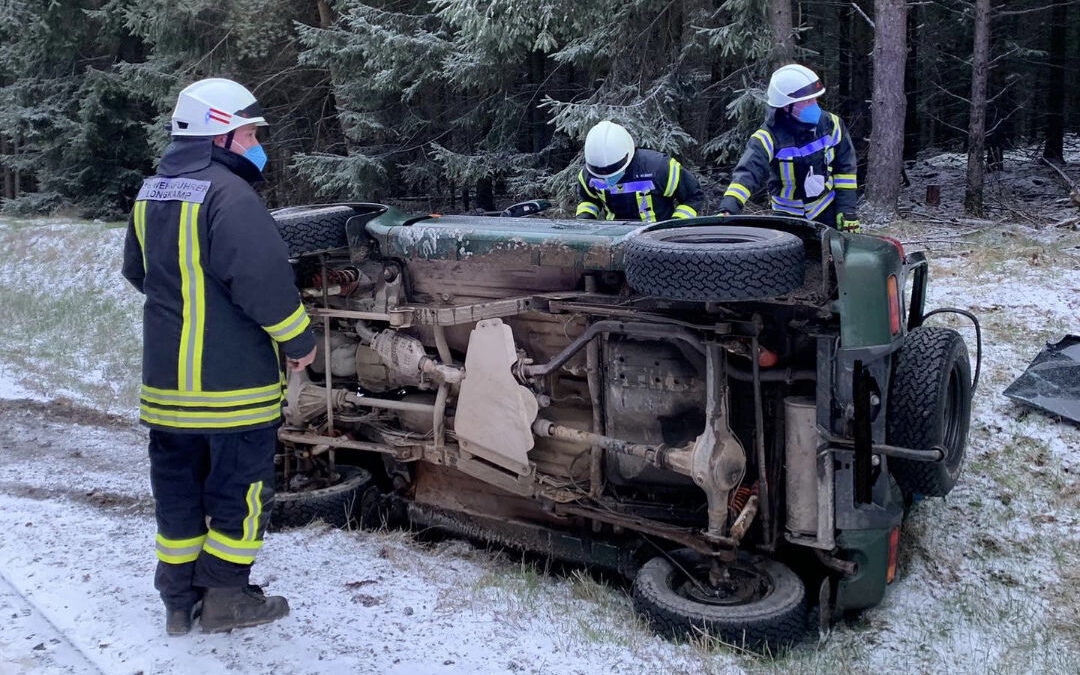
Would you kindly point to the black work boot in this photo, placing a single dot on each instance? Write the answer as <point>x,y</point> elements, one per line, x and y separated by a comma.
<point>238,607</point>
<point>178,621</point>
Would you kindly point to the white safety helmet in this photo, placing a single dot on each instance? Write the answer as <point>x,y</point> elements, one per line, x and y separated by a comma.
<point>214,106</point>
<point>793,83</point>
<point>608,149</point>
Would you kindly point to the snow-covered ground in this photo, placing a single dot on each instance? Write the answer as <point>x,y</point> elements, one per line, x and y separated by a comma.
<point>990,575</point>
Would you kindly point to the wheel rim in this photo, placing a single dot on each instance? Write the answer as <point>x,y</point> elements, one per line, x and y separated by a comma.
<point>954,409</point>
<point>712,238</point>
<point>740,585</point>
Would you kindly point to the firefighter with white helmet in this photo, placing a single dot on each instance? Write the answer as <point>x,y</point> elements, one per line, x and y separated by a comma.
<point>623,182</point>
<point>220,305</point>
<point>803,154</point>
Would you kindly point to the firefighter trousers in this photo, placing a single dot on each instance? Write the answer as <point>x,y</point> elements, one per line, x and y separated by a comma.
<point>213,494</point>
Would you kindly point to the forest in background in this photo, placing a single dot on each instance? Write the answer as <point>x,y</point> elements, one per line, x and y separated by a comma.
<point>465,104</point>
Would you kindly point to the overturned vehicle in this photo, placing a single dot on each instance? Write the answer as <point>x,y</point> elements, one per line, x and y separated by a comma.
<point>733,412</point>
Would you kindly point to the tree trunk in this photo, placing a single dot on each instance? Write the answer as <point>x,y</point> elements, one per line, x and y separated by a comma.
<point>980,63</point>
<point>1054,148</point>
<point>485,194</point>
<point>887,134</point>
<point>862,46</point>
<point>9,175</point>
<point>912,130</point>
<point>783,32</point>
<point>538,127</point>
<point>843,61</point>
<point>326,15</point>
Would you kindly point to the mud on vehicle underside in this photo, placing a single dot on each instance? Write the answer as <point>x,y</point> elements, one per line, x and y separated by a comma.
<point>734,398</point>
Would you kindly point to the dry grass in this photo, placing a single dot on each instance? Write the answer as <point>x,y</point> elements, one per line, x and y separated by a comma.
<point>990,575</point>
<point>70,326</point>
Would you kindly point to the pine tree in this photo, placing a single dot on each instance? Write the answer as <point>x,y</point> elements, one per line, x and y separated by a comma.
<point>74,133</point>
<point>253,42</point>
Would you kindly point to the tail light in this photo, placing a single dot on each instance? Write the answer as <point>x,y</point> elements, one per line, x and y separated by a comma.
<point>894,305</point>
<point>894,547</point>
<point>897,244</point>
<point>767,358</point>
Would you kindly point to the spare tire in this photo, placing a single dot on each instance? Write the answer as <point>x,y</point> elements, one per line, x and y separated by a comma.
<point>308,229</point>
<point>714,263</point>
<point>930,404</point>
<point>759,604</point>
<point>337,505</point>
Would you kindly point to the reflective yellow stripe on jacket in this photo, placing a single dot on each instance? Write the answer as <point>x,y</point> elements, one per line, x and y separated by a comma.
<point>139,216</point>
<point>585,185</point>
<point>588,207</point>
<point>674,171</point>
<point>645,207</point>
<point>739,191</point>
<point>684,211</point>
<point>290,326</point>
<point>211,399</point>
<point>766,140</point>
<point>193,290</point>
<point>845,181</point>
<point>209,419</point>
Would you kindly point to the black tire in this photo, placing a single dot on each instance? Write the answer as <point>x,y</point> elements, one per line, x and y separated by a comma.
<point>310,229</point>
<point>773,616</point>
<point>714,263</point>
<point>337,505</point>
<point>930,404</point>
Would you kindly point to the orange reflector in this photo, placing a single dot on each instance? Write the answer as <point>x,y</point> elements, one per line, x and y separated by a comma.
<point>767,358</point>
<point>894,305</point>
<point>894,547</point>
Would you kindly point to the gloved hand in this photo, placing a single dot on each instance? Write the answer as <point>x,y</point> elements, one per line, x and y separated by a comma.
<point>848,223</point>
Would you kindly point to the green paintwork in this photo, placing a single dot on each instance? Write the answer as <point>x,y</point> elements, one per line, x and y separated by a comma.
<point>869,549</point>
<point>863,265</point>
<point>576,244</point>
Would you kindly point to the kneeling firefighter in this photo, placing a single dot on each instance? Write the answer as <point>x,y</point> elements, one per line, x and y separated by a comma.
<point>621,182</point>
<point>220,305</point>
<point>802,153</point>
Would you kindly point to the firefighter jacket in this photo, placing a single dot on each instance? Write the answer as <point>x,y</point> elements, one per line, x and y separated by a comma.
<point>654,187</point>
<point>807,168</point>
<point>220,296</point>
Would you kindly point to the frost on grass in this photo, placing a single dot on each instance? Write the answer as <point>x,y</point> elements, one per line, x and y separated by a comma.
<point>989,580</point>
<point>72,325</point>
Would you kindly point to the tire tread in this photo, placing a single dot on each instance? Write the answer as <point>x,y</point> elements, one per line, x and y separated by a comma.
<point>716,273</point>
<point>913,400</point>
<point>769,628</point>
<point>314,229</point>
<point>333,506</point>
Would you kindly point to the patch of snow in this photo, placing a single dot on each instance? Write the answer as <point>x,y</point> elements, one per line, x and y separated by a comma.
<point>983,571</point>
<point>10,387</point>
<point>360,602</point>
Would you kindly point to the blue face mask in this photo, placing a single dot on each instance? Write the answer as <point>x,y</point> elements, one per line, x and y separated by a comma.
<point>811,114</point>
<point>612,181</point>
<point>256,155</point>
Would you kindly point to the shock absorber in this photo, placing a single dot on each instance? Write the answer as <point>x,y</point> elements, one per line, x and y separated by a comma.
<point>740,497</point>
<point>345,278</point>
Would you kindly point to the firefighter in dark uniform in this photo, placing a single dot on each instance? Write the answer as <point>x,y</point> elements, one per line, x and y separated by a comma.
<point>624,183</point>
<point>803,154</point>
<point>220,306</point>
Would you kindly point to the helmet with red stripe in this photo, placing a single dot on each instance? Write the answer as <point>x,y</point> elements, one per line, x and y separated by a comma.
<point>214,106</point>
